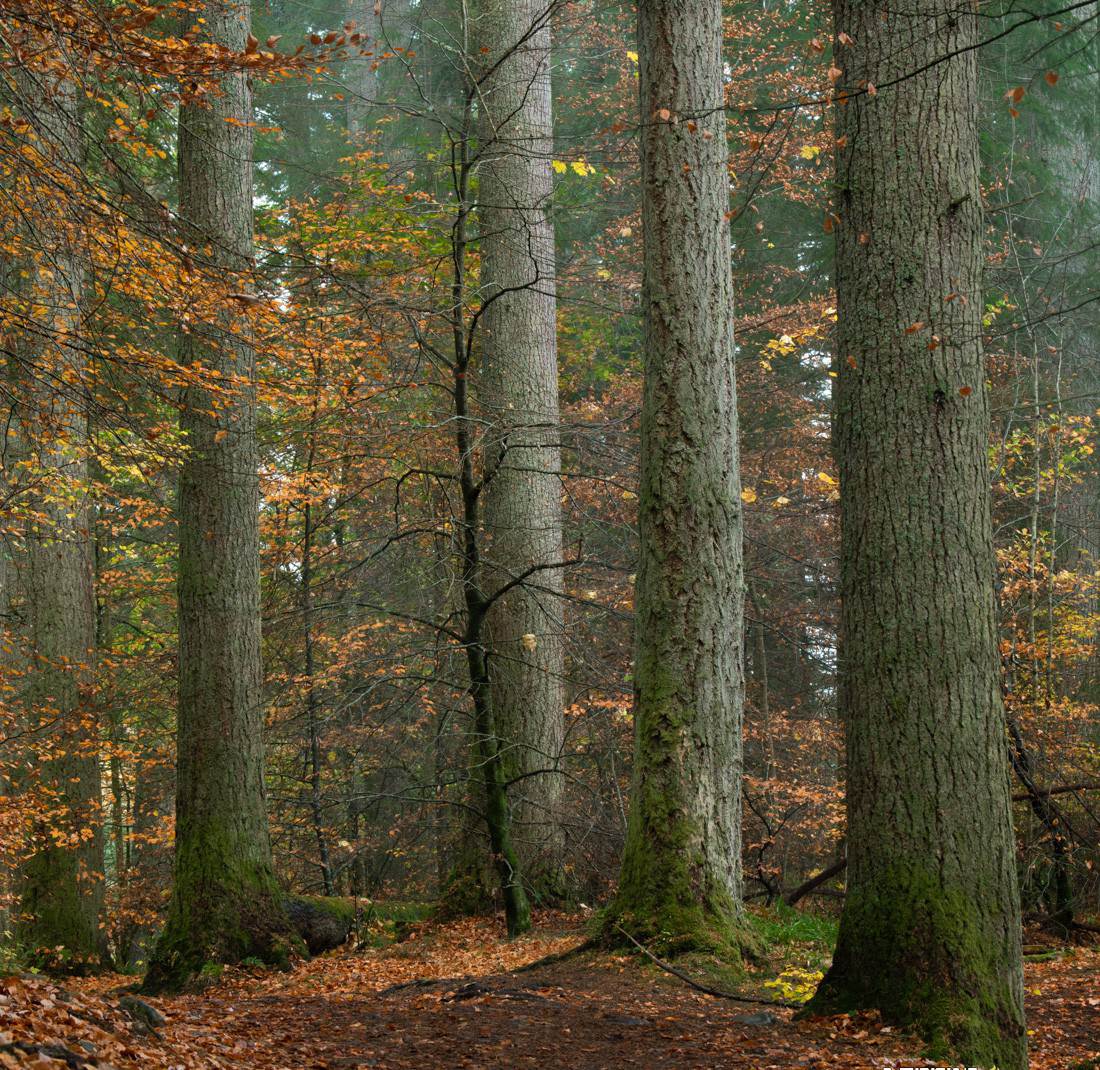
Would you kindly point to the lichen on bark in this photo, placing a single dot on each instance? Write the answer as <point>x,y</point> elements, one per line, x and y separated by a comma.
<point>681,876</point>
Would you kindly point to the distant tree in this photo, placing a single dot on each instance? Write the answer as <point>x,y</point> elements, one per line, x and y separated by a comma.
<point>61,893</point>
<point>681,872</point>
<point>930,932</point>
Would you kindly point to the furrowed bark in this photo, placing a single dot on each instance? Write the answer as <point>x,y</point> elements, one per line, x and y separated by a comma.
<point>488,772</point>
<point>681,873</point>
<point>930,932</point>
<point>226,904</point>
<point>61,883</point>
<point>518,391</point>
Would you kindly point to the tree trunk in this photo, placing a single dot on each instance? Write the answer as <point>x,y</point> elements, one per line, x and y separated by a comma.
<point>930,933</point>
<point>518,388</point>
<point>61,894</point>
<point>226,904</point>
<point>681,873</point>
<point>487,765</point>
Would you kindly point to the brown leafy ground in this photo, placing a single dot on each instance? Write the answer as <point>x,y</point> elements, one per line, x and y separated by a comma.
<point>582,1013</point>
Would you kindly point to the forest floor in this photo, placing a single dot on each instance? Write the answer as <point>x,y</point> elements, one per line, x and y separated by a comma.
<point>584,1012</point>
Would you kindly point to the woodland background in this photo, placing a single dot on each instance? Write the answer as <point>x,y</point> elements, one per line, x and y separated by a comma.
<point>358,123</point>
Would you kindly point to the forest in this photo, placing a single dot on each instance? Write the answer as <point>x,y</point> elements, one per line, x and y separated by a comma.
<point>557,533</point>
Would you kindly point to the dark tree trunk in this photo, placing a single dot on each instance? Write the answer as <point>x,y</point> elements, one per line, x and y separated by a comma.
<point>61,884</point>
<point>226,904</point>
<point>930,933</point>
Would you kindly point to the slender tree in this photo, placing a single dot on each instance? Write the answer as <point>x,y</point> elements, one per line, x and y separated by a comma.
<point>681,873</point>
<point>930,932</point>
<point>226,904</point>
<point>62,881</point>
<point>518,390</point>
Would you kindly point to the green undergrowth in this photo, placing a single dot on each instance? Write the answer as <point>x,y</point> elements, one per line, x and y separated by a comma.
<point>784,927</point>
<point>796,947</point>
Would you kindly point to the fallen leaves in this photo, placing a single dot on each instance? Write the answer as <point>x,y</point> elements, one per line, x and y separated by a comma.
<point>582,1012</point>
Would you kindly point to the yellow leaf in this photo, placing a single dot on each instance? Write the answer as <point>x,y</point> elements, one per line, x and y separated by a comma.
<point>809,152</point>
<point>824,477</point>
<point>748,495</point>
<point>632,56</point>
<point>559,165</point>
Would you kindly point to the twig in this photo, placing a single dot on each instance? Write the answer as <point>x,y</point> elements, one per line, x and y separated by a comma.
<point>706,989</point>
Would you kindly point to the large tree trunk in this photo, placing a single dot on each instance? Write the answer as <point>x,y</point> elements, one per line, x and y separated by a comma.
<point>681,874</point>
<point>62,882</point>
<point>930,933</point>
<point>226,904</point>
<point>518,389</point>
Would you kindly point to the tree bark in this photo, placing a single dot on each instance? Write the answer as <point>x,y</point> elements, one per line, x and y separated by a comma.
<point>518,388</point>
<point>488,770</point>
<point>930,932</point>
<point>681,873</point>
<point>226,904</point>
<point>61,887</point>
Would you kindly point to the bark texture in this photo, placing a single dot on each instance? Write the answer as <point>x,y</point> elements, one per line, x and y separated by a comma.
<point>226,904</point>
<point>681,874</point>
<point>930,933</point>
<point>61,892</point>
<point>518,391</point>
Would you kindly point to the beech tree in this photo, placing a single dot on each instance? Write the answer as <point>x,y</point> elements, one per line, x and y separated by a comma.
<point>930,932</point>
<point>226,903</point>
<point>681,871</point>
<point>518,391</point>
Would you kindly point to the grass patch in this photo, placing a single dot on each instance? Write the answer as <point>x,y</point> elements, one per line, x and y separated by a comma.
<point>782,926</point>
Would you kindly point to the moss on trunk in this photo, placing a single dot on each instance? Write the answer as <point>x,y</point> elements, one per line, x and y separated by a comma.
<point>680,884</point>
<point>324,922</point>
<point>226,907</point>
<point>930,932</point>
<point>935,971</point>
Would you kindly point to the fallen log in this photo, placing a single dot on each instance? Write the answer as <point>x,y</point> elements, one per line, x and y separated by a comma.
<point>1061,789</point>
<point>324,922</point>
<point>811,885</point>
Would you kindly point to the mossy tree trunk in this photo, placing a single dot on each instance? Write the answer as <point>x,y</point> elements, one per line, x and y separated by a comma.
<point>930,933</point>
<point>226,904</point>
<point>61,883</point>
<point>681,873</point>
